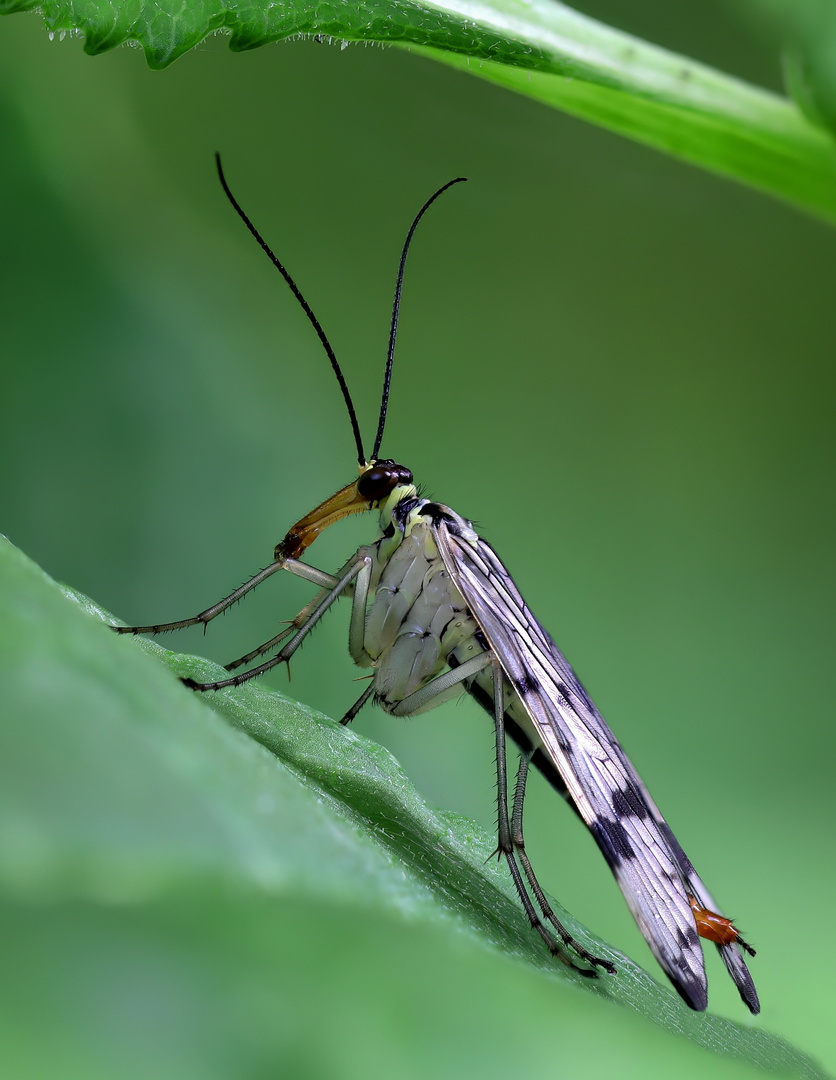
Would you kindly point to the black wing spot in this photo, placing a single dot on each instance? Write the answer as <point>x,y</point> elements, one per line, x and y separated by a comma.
<point>578,692</point>
<point>527,685</point>
<point>567,694</point>
<point>613,841</point>
<point>687,938</point>
<point>629,803</point>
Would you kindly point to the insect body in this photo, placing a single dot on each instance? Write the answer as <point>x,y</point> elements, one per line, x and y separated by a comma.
<point>716,928</point>
<point>434,612</point>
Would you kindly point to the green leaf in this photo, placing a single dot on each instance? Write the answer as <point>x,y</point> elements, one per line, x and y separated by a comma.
<point>167,850</point>
<point>537,47</point>
<point>810,30</point>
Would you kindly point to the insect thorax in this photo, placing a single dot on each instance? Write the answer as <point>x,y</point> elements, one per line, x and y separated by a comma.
<point>417,623</point>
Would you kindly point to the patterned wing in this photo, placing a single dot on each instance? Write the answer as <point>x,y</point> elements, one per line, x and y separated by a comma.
<point>650,867</point>
<point>731,955</point>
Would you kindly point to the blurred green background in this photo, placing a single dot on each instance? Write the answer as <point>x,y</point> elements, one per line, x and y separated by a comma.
<point>619,367</point>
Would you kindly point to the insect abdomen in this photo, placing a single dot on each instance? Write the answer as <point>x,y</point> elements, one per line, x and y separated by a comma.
<point>416,621</point>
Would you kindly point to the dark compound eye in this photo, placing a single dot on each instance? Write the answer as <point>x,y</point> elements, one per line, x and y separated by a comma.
<point>378,482</point>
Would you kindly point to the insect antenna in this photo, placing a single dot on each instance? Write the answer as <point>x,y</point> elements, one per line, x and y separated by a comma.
<point>396,306</point>
<point>303,303</point>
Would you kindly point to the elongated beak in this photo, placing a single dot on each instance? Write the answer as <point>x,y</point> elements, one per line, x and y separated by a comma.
<point>346,501</point>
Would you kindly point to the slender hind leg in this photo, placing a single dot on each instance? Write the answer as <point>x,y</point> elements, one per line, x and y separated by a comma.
<point>518,842</point>
<point>512,846</point>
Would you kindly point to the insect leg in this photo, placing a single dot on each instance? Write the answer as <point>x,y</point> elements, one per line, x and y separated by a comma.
<point>309,573</point>
<point>357,623</point>
<point>507,848</point>
<point>266,646</point>
<point>210,613</point>
<point>299,621</point>
<point>358,704</point>
<point>518,842</point>
<point>357,568</point>
<point>421,699</point>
